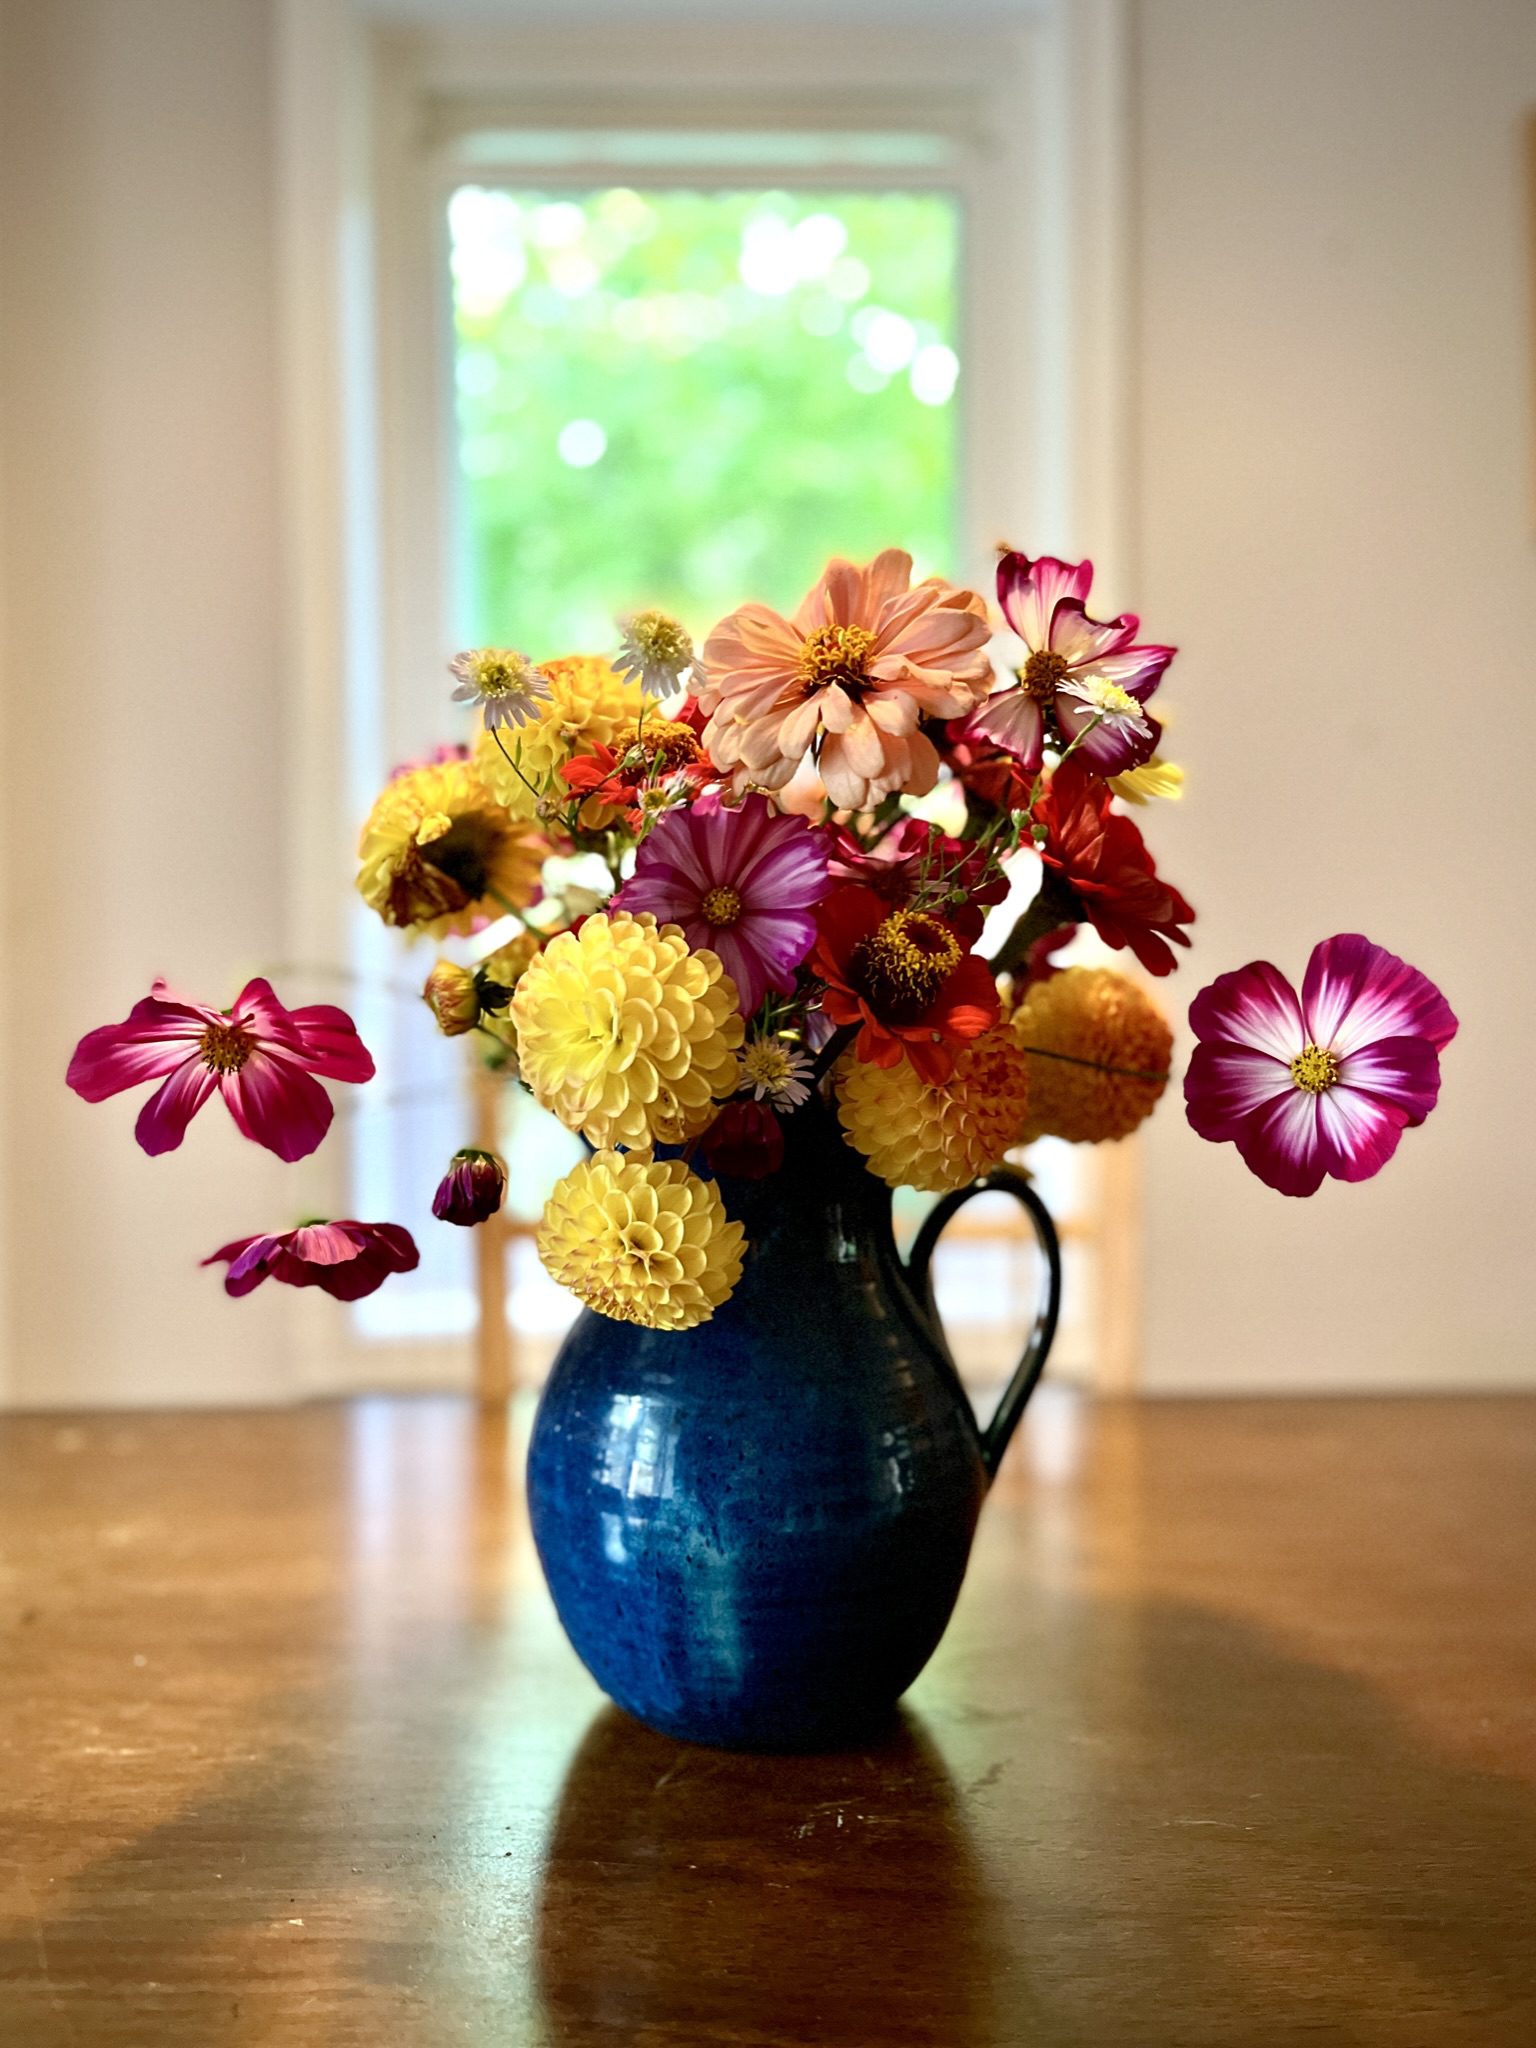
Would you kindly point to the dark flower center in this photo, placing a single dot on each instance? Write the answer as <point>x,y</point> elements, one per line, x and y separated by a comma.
<point>225,1048</point>
<point>903,964</point>
<point>464,854</point>
<point>1043,674</point>
<point>720,906</point>
<point>836,654</point>
<point>1315,1069</point>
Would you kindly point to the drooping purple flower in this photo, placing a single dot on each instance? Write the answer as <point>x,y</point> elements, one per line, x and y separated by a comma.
<point>741,882</point>
<point>1321,1085</point>
<point>1086,672</point>
<point>346,1259</point>
<point>471,1189</point>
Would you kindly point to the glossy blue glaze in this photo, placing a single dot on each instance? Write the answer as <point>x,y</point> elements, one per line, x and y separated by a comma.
<point>755,1531</point>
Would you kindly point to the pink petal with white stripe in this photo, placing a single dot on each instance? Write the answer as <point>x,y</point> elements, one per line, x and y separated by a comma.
<point>1357,1134</point>
<point>1356,992</point>
<point>1013,721</point>
<point>1081,640</point>
<point>1402,1071</point>
<point>1282,1146</point>
<point>1254,1005</point>
<point>1029,592</point>
<point>1226,1084</point>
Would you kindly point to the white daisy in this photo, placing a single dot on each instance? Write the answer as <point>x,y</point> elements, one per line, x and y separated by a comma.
<point>503,682</point>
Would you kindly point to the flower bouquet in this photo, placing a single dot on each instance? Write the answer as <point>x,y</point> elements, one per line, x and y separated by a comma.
<point>726,914</point>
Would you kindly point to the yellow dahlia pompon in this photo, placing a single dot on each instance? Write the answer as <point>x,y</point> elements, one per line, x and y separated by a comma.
<point>1098,1051</point>
<point>626,1035</point>
<point>937,1137</point>
<point>644,1241</point>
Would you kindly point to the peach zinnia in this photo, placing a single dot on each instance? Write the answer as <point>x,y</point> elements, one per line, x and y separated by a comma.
<point>846,679</point>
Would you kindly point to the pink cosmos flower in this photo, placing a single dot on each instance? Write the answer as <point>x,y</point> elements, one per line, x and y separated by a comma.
<point>258,1055</point>
<point>848,679</point>
<point>347,1259</point>
<point>1321,1086</point>
<point>1077,669</point>
<point>741,882</point>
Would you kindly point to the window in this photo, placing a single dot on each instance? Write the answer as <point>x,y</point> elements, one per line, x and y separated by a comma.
<point>681,360</point>
<point>691,398</point>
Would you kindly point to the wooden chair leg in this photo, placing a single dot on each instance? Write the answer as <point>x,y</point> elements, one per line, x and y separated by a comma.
<point>493,1337</point>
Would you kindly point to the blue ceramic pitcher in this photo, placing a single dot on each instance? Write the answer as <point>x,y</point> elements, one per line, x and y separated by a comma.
<point>755,1531</point>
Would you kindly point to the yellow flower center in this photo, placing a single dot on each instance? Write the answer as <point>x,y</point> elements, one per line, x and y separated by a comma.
<point>1042,673</point>
<point>766,1065</point>
<point>720,906</point>
<point>1315,1070</point>
<point>661,639</point>
<point>501,674</point>
<point>225,1048</point>
<point>1110,700</point>
<point>903,964</point>
<point>836,654</point>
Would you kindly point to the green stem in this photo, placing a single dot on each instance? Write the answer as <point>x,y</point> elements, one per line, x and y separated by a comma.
<point>833,1051</point>
<point>1039,1052</point>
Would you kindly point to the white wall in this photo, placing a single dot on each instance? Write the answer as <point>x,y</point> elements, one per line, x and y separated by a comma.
<point>1333,515</point>
<point>143,819</point>
<point>1329,449</point>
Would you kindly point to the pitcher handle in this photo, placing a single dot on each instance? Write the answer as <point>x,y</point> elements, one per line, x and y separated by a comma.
<point>1026,1374</point>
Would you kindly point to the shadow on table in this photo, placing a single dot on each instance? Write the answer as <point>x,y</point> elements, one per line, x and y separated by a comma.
<point>1193,1839</point>
<point>1199,1840</point>
<point>695,1895</point>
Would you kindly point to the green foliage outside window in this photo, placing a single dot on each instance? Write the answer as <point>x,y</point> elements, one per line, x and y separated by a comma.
<point>688,399</point>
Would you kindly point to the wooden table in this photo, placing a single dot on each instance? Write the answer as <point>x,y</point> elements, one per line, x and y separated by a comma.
<point>1233,1740</point>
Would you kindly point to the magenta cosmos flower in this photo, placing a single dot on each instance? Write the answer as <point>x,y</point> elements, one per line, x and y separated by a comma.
<point>1084,672</point>
<point>259,1056</point>
<point>742,882</point>
<point>1323,1085</point>
<point>347,1259</point>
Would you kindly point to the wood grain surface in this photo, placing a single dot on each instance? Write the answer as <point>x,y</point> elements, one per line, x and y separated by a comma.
<point>1233,1740</point>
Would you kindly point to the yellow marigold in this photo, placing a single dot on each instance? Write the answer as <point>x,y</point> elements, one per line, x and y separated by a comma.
<point>438,851</point>
<point>588,704</point>
<point>625,1034</point>
<point>1092,1015</point>
<point>641,1240</point>
<point>915,1135</point>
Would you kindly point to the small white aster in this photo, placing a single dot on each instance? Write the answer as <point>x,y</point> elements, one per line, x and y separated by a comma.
<point>655,652</point>
<point>776,1072</point>
<point>1115,708</point>
<point>503,682</point>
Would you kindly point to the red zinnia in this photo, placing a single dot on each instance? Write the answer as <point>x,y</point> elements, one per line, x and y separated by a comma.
<point>346,1259</point>
<point>1103,862</point>
<point>904,978</point>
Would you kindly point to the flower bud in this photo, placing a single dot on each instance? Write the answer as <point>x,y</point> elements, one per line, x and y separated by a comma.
<point>453,999</point>
<point>471,1189</point>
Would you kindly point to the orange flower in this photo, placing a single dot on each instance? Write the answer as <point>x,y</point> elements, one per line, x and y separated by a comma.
<point>847,679</point>
<point>905,979</point>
